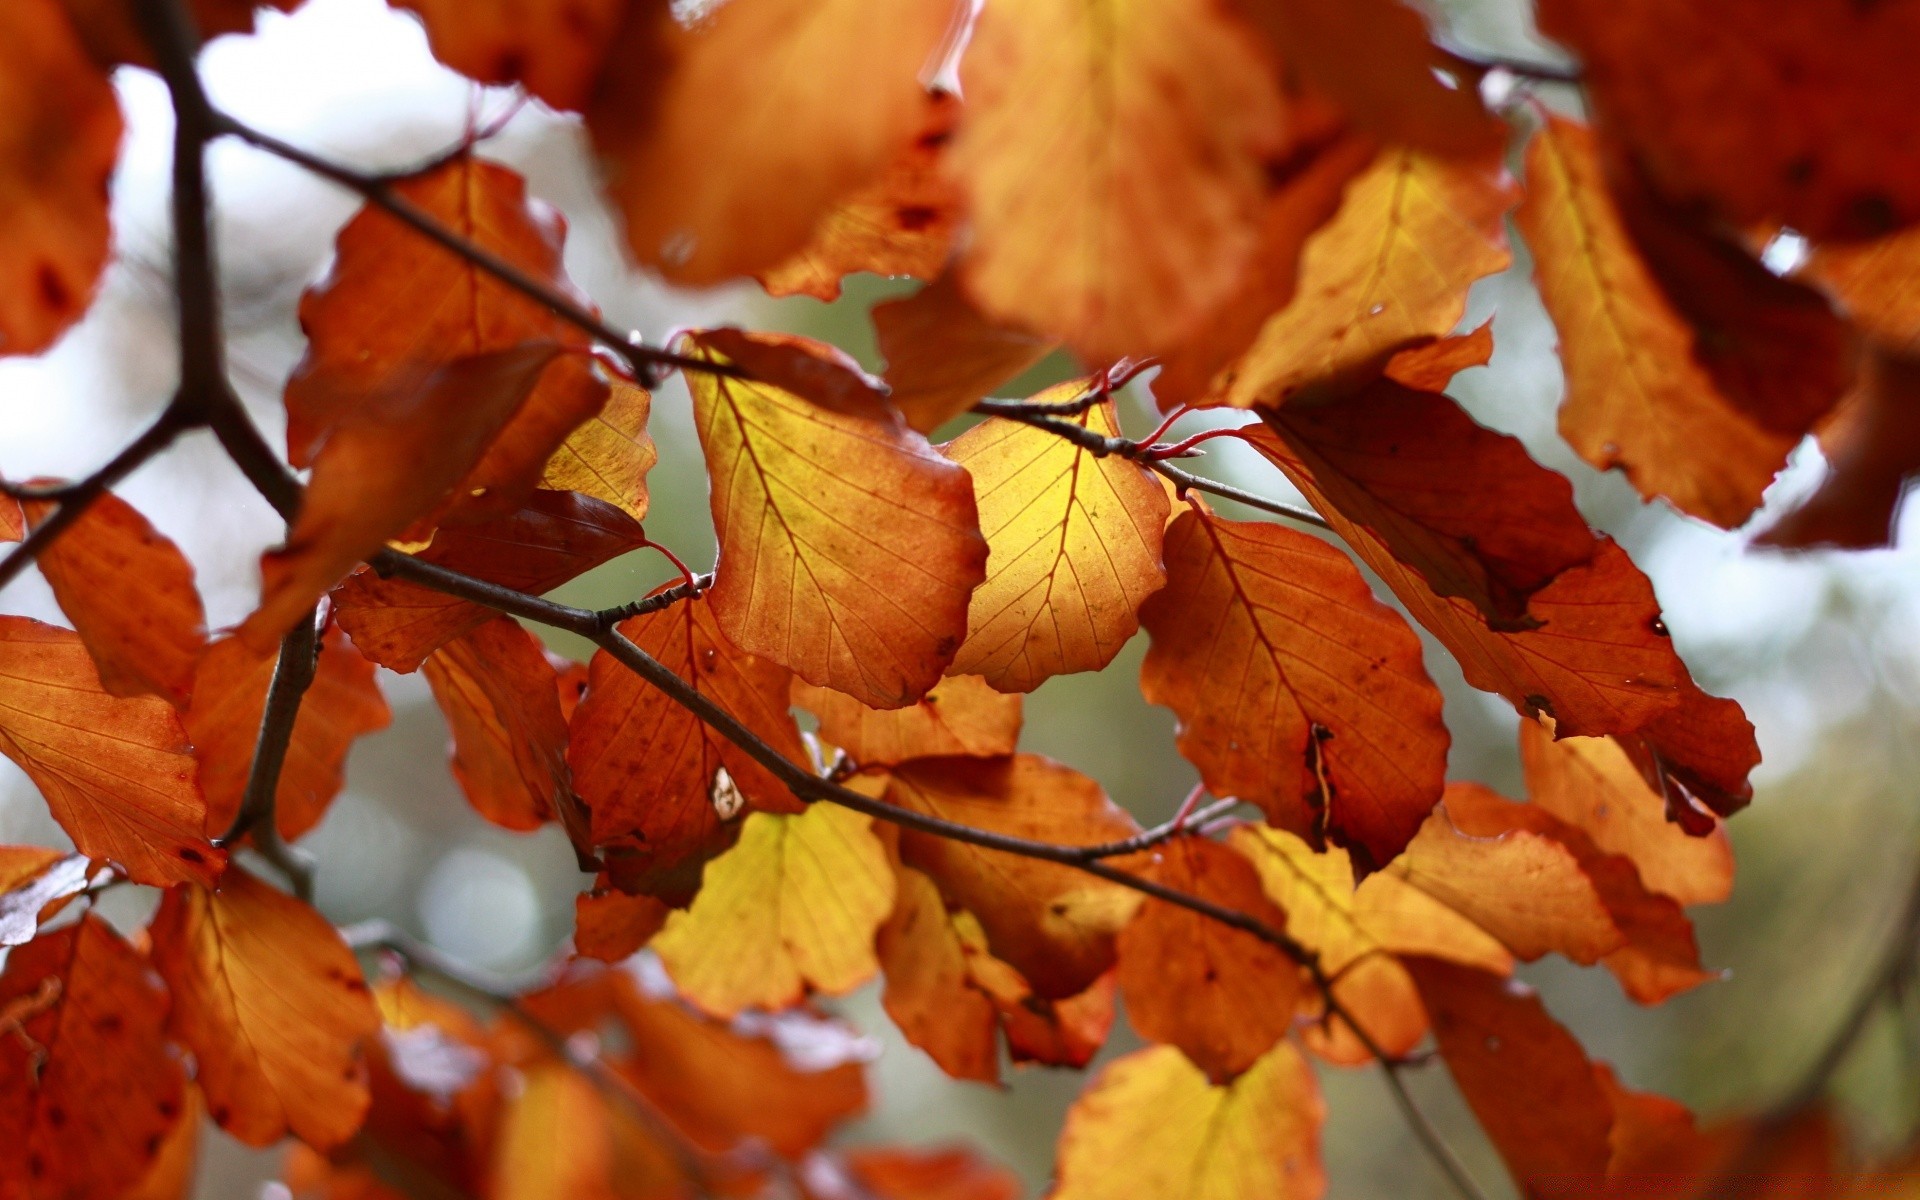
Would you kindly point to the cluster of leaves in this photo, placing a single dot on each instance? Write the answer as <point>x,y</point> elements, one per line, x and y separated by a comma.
<point>1281,205</point>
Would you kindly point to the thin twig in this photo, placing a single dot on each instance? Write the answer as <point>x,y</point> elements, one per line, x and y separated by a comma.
<point>1542,72</point>
<point>258,816</point>
<point>609,617</point>
<point>1187,481</point>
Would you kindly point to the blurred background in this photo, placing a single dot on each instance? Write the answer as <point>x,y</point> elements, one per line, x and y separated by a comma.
<point>1822,650</point>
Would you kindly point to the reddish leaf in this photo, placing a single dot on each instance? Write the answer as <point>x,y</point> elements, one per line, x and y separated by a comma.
<point>88,1088</point>
<point>58,145</point>
<point>611,925</point>
<point>342,705</point>
<point>557,536</point>
<point>271,1003</point>
<point>1053,924</point>
<point>509,740</point>
<point>112,34</point>
<point>1296,689</point>
<point>848,547</point>
<point>116,771</point>
<point>552,50</point>
<point>1222,995</point>
<point>961,715</point>
<point>1875,282</point>
<point>35,883</point>
<point>951,1174</point>
<point>1697,754</point>
<point>943,355</point>
<point>665,789</point>
<point>129,593</point>
<point>1872,446</point>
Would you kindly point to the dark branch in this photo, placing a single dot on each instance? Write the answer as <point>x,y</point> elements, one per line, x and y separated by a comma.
<point>609,617</point>
<point>292,676</point>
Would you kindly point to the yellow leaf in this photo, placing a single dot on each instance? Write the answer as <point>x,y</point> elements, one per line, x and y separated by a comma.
<point>794,904</point>
<point>609,456</point>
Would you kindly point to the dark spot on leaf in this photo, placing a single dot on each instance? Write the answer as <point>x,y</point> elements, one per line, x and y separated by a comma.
<point>510,66</point>
<point>52,290</point>
<point>221,1114</point>
<point>108,1023</point>
<point>189,854</point>
<point>1800,170</point>
<point>1872,215</point>
<point>1659,627</point>
<point>36,1166</point>
<point>56,1116</point>
<point>169,1109</point>
<point>915,217</point>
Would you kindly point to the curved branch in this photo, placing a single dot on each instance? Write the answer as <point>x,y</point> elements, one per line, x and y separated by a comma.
<point>258,815</point>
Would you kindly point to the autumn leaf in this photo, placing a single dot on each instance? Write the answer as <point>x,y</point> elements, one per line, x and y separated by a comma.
<point>903,223</point>
<point>1875,283</point>
<point>752,93</point>
<point>1118,230</point>
<point>1872,448</point>
<point>944,355</point>
<point>35,883</point>
<point>1053,924</point>
<point>116,771</point>
<point>59,143</point>
<point>1296,690</point>
<point>665,789</point>
<point>130,594</point>
<point>174,1169</point>
<point>509,740</point>
<point>342,705</point>
<point>961,715</point>
<point>609,455</point>
<point>940,1174</point>
<point>111,30</point>
<point>560,1138</point>
<point>554,538</point>
<point>610,925</point>
<point>1390,270</point>
<point>1795,113</point>
<point>1222,995</point>
<point>553,51</point>
<point>271,1002</point>
<point>792,906</point>
<point>848,547</point>
<point>88,1089</point>
<point>1430,367</point>
<point>1073,547</point>
<point>1151,1125</point>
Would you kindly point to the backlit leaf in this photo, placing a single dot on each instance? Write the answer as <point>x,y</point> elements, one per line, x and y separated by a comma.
<point>961,715</point>
<point>1151,1125</point>
<point>35,883</point>
<point>88,1089</point>
<point>1872,448</point>
<point>929,993</point>
<point>794,905</point>
<point>117,772</point>
<point>509,739</point>
<point>610,925</point>
<point>561,1138</point>
<point>342,705</point>
<point>608,456</point>
<point>1296,689</point>
<point>652,773</point>
<point>271,1002</point>
<point>1122,226</point>
<point>552,50</point>
<point>58,144</point>
<point>951,1174</point>
<point>944,355</point>
<point>1222,995</point>
<point>1878,284</point>
<point>111,30</point>
<point>848,547</point>
<point>1073,547</point>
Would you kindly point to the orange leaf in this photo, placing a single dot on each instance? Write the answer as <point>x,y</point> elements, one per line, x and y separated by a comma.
<point>848,547</point>
<point>88,1088</point>
<point>1432,366</point>
<point>756,92</point>
<point>342,705</point>
<point>113,36</point>
<point>172,1174</point>
<point>1296,689</point>
<point>1073,547</point>
<point>561,1138</point>
<point>961,715</point>
<point>951,1174</point>
<point>903,223</point>
<point>1221,995</point>
<point>1877,283</point>
<point>1390,270</point>
<point>556,537</point>
<point>382,467</point>
<point>1151,1125</point>
<point>929,994</point>
<point>1785,111</point>
<point>1053,924</point>
<point>35,883</point>
<point>552,50</point>
<point>1120,228</point>
<point>608,456</point>
<point>1637,395</point>
<point>13,521</point>
<point>271,1003</point>
<point>666,790</point>
<point>58,144</point>
<point>509,740</point>
<point>1065,1032</point>
<point>793,905</point>
<point>1872,447</point>
<point>1591,783</point>
<point>943,355</point>
<point>610,925</point>
<point>116,771</point>
<point>129,593</point>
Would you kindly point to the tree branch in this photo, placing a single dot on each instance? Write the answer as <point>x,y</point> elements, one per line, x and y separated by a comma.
<point>258,816</point>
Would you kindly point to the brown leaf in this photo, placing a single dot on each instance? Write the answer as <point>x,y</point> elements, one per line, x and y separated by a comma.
<point>553,50</point>
<point>610,925</point>
<point>944,355</point>
<point>1129,220</point>
<point>342,705</point>
<point>509,740</point>
<point>1697,755</point>
<point>666,791</point>
<point>940,1174</point>
<point>755,92</point>
<point>117,772</point>
<point>609,455</point>
<point>961,715</point>
<point>58,144</point>
<point>1296,689</point>
<point>1872,447</point>
<point>36,883</point>
<point>1073,547</point>
<point>271,1003</point>
<point>88,1089</point>
<point>848,547</point>
<point>1222,995</point>
<point>129,593</point>
<point>903,223</point>
<point>1785,111</point>
<point>1053,924</point>
<point>555,537</point>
